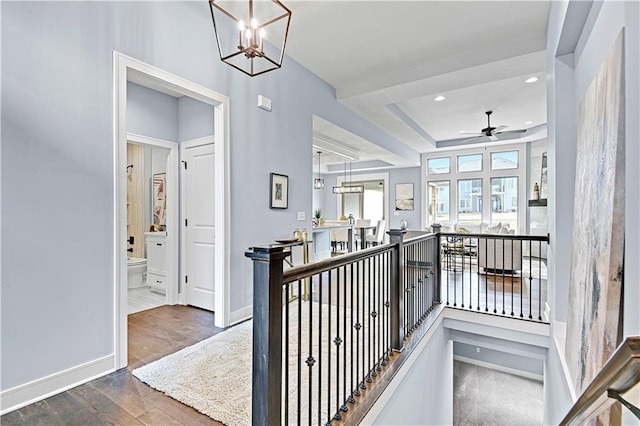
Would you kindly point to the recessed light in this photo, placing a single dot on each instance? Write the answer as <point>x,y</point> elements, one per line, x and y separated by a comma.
<point>439,98</point>
<point>528,122</point>
<point>531,80</point>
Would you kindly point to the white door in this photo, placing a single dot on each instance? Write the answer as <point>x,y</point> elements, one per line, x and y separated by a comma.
<point>198,214</point>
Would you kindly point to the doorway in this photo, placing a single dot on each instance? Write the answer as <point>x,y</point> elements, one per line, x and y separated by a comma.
<point>126,70</point>
<point>151,207</point>
<point>372,204</point>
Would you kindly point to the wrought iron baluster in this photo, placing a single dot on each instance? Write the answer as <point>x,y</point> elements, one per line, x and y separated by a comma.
<point>368,367</point>
<point>320,339</point>
<point>329,300</point>
<point>512,276</point>
<point>286,354</point>
<point>446,256</point>
<point>521,281</point>
<point>337,341</point>
<point>310,359</point>
<point>539,280</point>
<point>344,406</point>
<point>530,278</point>
<point>495,281</point>
<point>379,312</point>
<point>503,273</point>
<point>299,408</point>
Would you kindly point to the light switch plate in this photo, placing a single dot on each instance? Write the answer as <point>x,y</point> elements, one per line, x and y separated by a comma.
<point>302,216</point>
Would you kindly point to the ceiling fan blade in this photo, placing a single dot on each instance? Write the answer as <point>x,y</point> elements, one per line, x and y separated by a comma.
<point>499,128</point>
<point>493,138</point>
<point>510,132</point>
<point>462,132</point>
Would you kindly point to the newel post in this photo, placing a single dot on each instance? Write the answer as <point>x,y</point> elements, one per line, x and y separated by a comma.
<point>436,227</point>
<point>396,237</point>
<point>266,391</point>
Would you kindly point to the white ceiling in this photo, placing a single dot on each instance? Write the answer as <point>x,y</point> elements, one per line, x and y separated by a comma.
<point>389,59</point>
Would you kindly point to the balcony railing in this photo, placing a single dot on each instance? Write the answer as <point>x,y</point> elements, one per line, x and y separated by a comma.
<point>495,273</point>
<point>316,352</point>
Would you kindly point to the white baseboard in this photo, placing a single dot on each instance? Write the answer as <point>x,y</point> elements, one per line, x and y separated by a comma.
<point>515,372</point>
<point>37,390</point>
<point>240,315</point>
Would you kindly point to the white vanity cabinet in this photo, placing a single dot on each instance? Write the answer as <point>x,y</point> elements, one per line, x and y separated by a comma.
<point>156,260</point>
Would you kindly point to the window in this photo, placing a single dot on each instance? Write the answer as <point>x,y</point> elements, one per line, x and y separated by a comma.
<point>470,163</point>
<point>470,201</point>
<point>504,201</point>
<point>438,202</point>
<point>480,186</point>
<point>504,160</point>
<point>439,166</point>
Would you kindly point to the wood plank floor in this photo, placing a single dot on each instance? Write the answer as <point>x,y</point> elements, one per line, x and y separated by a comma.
<point>119,398</point>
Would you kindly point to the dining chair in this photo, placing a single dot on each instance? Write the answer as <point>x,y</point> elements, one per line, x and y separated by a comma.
<point>378,237</point>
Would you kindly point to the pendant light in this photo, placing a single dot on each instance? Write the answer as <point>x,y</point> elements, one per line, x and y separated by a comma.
<point>318,183</point>
<point>348,188</point>
<point>241,28</point>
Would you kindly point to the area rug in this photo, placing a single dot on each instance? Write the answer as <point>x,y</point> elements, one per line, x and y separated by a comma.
<point>214,376</point>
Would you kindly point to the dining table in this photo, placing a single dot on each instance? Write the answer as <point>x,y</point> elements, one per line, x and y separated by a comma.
<point>364,230</point>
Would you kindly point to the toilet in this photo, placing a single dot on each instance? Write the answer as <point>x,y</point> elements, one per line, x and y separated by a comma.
<point>136,271</point>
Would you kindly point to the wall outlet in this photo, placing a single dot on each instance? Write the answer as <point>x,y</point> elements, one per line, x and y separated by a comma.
<point>302,216</point>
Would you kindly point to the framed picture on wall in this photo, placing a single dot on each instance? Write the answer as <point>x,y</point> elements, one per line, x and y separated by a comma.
<point>404,196</point>
<point>159,200</point>
<point>279,191</point>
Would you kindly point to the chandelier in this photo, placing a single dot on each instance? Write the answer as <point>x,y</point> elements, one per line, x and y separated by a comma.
<point>241,28</point>
<point>318,183</point>
<point>348,188</point>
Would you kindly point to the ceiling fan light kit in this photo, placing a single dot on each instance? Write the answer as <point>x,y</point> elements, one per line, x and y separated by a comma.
<point>241,28</point>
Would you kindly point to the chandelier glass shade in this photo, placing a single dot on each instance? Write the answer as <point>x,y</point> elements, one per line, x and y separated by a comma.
<point>251,34</point>
<point>318,183</point>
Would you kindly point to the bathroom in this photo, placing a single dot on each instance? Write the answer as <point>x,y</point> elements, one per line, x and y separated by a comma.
<point>146,226</point>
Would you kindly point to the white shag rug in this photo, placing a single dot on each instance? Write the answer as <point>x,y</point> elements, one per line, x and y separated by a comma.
<point>214,376</point>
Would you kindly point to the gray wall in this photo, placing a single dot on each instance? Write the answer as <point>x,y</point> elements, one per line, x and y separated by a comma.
<point>401,175</point>
<point>502,359</point>
<point>151,113</point>
<point>425,395</point>
<point>570,76</point>
<point>195,119</point>
<point>57,163</point>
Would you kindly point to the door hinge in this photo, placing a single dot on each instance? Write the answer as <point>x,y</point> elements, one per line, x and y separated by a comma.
<point>186,222</point>
<point>186,279</point>
<point>185,164</point>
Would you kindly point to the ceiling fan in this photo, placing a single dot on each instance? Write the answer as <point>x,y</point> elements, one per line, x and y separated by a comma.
<point>493,133</point>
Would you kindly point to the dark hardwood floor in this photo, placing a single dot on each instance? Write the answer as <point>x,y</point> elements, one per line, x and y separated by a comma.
<point>119,398</point>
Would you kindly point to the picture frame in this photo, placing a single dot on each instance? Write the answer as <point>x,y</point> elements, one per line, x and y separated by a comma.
<point>404,196</point>
<point>543,177</point>
<point>279,191</point>
<point>159,200</point>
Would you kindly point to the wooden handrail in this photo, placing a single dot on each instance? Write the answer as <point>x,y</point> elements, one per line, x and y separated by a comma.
<point>620,373</point>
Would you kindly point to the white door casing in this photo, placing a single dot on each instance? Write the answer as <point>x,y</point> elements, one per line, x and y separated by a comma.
<point>126,68</point>
<point>198,212</point>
